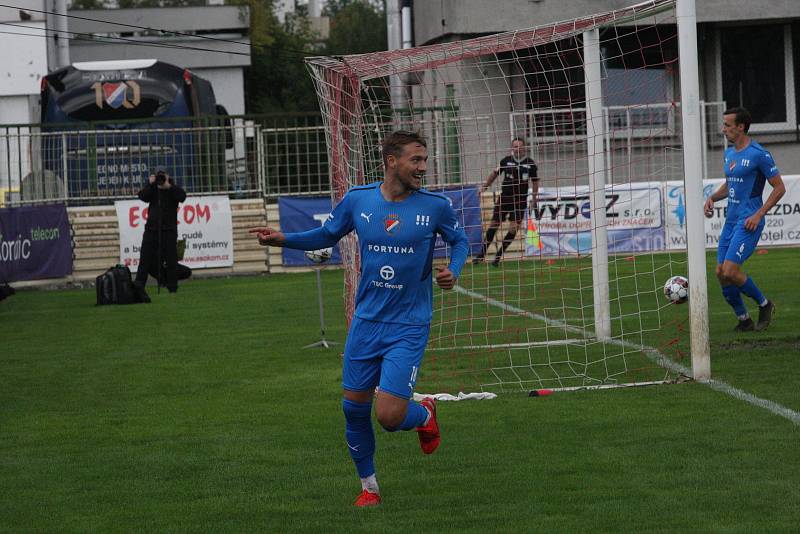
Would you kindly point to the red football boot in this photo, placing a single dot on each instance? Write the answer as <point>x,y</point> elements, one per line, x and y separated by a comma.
<point>429,437</point>
<point>365,498</point>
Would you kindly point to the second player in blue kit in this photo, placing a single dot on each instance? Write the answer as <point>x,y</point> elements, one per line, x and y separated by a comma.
<point>748,167</point>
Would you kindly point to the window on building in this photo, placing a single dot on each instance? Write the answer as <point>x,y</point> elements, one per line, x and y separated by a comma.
<point>638,81</point>
<point>639,77</point>
<point>755,66</point>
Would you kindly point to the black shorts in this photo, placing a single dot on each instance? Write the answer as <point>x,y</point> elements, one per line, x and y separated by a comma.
<point>511,207</point>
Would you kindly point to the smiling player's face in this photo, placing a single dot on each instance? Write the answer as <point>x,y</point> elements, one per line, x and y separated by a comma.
<point>409,167</point>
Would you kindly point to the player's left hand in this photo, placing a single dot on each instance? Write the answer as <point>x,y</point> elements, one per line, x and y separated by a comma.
<point>752,222</point>
<point>445,278</point>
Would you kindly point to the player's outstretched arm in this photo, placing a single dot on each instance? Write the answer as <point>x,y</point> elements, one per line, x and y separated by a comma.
<point>268,236</point>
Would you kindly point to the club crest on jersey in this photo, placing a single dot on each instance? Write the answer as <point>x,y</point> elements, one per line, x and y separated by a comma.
<point>391,222</point>
<point>731,166</point>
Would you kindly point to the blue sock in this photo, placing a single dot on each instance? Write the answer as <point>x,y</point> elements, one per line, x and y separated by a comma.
<point>359,435</point>
<point>750,289</point>
<point>415,416</point>
<point>734,298</point>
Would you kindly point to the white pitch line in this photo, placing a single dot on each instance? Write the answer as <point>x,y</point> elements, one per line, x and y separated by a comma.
<point>652,353</point>
<point>513,345</point>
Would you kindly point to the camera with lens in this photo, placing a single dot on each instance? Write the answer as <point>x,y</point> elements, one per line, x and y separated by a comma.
<point>161,178</point>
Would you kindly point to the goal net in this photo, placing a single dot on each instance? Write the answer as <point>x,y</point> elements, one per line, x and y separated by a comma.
<point>576,298</point>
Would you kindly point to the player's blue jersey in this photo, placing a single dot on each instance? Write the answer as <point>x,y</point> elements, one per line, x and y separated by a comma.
<point>746,172</point>
<point>396,242</point>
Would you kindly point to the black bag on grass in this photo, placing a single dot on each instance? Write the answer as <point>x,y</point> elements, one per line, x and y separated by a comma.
<point>6,291</point>
<point>115,286</point>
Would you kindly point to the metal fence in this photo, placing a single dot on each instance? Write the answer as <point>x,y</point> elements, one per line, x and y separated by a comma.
<point>274,155</point>
<point>295,155</point>
<point>640,143</point>
<point>99,165</point>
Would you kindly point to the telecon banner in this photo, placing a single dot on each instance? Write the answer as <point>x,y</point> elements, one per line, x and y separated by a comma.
<point>204,222</point>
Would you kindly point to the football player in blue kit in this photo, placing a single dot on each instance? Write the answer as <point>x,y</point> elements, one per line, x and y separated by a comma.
<point>747,167</point>
<point>396,221</point>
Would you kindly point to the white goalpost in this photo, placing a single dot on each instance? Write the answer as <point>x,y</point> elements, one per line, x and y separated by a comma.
<point>693,169</point>
<point>608,106</point>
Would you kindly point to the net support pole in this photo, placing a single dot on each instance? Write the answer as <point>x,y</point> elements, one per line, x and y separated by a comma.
<point>394,37</point>
<point>595,136</point>
<point>62,44</point>
<point>693,183</point>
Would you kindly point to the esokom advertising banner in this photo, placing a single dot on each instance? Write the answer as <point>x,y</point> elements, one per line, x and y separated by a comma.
<point>204,222</point>
<point>781,224</point>
<point>634,214</point>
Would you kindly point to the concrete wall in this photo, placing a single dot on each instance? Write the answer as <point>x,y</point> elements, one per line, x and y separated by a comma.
<point>24,58</point>
<point>434,21</point>
<point>24,61</point>
<point>230,23</point>
<point>216,54</point>
<point>218,19</point>
<point>11,14</point>
<point>228,86</point>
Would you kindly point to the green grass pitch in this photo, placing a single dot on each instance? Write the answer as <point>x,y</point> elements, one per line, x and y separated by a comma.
<point>201,413</point>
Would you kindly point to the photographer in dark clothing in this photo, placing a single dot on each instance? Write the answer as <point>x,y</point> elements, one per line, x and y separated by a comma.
<point>159,252</point>
<point>182,272</point>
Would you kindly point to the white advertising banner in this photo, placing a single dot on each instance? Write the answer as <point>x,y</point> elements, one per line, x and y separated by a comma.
<point>634,216</point>
<point>628,207</point>
<point>204,222</point>
<point>781,224</point>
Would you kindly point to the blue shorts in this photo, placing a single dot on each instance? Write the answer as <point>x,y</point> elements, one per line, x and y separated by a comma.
<point>736,243</point>
<point>385,354</point>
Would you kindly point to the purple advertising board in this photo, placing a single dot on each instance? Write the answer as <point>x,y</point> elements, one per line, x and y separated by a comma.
<point>35,243</point>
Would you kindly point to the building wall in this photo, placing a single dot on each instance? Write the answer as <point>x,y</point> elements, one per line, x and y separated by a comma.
<point>24,61</point>
<point>228,87</point>
<point>434,21</point>
<point>210,19</point>
<point>18,109</point>
<point>452,20</point>
<point>214,54</point>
